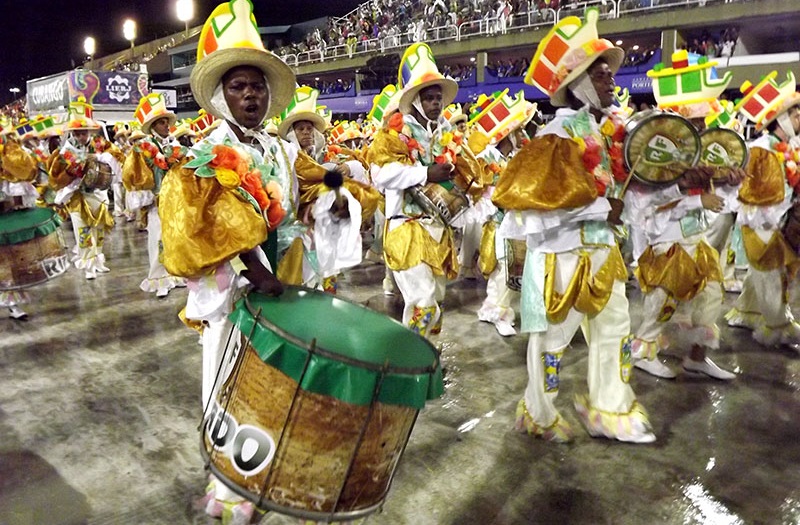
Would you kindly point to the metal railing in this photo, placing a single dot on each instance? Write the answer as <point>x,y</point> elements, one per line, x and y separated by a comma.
<point>607,8</point>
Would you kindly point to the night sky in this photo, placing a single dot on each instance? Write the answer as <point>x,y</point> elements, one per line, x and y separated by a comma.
<point>44,37</point>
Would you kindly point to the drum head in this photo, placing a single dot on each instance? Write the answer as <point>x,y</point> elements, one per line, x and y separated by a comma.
<point>723,148</point>
<point>660,146</point>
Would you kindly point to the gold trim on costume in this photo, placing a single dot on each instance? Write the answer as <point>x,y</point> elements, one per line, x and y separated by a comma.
<point>773,255</point>
<point>675,271</point>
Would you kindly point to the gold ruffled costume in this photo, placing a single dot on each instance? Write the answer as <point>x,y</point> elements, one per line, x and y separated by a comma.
<point>678,273</point>
<point>204,224</point>
<point>60,178</point>
<point>17,164</point>
<point>410,244</point>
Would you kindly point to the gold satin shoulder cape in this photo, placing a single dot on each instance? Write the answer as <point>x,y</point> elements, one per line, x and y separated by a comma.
<point>18,165</point>
<point>136,175</point>
<point>765,183</point>
<point>203,224</point>
<point>546,174</point>
<point>310,175</point>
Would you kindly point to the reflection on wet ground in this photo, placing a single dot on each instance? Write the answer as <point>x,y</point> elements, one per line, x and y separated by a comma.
<point>99,416</point>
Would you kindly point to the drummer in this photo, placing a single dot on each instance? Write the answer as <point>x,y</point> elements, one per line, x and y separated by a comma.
<point>575,275</point>
<point>766,197</point>
<point>145,167</point>
<point>88,207</point>
<point>678,271</point>
<point>212,235</point>
<point>419,249</point>
<point>17,192</point>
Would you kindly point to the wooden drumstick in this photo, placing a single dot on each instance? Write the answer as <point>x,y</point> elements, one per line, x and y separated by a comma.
<point>630,176</point>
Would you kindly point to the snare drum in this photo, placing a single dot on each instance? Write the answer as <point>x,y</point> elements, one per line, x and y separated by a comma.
<point>659,146</point>
<point>439,200</point>
<point>516,250</point>
<point>311,418</point>
<point>32,248</point>
<point>97,175</point>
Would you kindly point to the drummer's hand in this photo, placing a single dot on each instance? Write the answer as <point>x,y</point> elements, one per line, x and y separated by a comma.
<point>696,177</point>
<point>258,275</point>
<point>344,169</point>
<point>712,201</point>
<point>615,215</point>
<point>736,176</point>
<point>440,172</point>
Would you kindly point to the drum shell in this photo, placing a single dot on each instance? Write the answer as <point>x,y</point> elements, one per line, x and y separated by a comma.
<point>97,175</point>
<point>33,261</point>
<point>438,201</point>
<point>516,250</point>
<point>320,436</point>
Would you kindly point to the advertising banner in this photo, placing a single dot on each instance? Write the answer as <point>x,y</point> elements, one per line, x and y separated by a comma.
<point>108,88</point>
<point>48,93</point>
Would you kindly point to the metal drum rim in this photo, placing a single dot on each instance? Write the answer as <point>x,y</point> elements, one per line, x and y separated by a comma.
<point>659,114</point>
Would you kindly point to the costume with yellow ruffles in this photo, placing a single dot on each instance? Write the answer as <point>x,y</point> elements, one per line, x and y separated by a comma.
<point>765,198</point>
<point>574,276</point>
<point>418,249</point>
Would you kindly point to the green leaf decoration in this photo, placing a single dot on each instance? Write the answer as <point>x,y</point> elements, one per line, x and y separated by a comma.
<point>199,161</point>
<point>205,171</point>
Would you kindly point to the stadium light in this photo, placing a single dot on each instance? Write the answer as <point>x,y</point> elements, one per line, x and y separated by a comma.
<point>14,90</point>
<point>129,32</point>
<point>89,46</point>
<point>185,10</point>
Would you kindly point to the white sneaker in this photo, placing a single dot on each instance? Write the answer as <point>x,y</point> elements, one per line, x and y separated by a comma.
<point>655,367</point>
<point>162,292</point>
<point>90,275</point>
<point>102,268</point>
<point>388,286</point>
<point>16,313</point>
<point>505,328</point>
<point>707,367</point>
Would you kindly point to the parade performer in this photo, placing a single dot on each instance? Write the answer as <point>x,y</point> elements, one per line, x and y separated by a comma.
<point>183,133</point>
<point>217,208</point>
<point>122,133</point>
<point>87,203</point>
<point>498,127</point>
<point>678,271</point>
<point>334,240</point>
<point>142,175</point>
<point>558,192</point>
<point>768,219</point>
<point>418,147</point>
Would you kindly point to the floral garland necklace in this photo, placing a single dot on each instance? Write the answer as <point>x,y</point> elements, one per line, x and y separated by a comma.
<point>790,158</point>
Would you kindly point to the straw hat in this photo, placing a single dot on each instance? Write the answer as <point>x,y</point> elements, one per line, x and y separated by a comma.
<point>25,129</point>
<point>136,132</point>
<point>229,39</point>
<point>302,106</point>
<point>122,129</point>
<point>46,127</point>
<point>762,103</point>
<point>690,90</point>
<point>80,116</point>
<point>182,128</point>
<point>454,114</point>
<point>344,131</point>
<point>567,51</point>
<point>151,108</point>
<point>418,71</point>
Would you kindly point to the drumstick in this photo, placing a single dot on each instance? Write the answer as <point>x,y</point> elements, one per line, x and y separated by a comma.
<point>630,175</point>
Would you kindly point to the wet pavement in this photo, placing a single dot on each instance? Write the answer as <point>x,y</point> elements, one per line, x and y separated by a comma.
<point>99,414</point>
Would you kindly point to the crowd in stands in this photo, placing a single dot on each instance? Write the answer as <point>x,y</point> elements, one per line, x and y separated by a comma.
<point>637,57</point>
<point>714,47</point>
<point>327,87</point>
<point>509,68</point>
<point>14,110</point>
<point>459,72</point>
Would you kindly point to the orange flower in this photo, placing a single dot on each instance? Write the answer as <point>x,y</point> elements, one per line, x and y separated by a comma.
<point>275,214</point>
<point>225,157</point>
<point>396,122</point>
<point>251,183</point>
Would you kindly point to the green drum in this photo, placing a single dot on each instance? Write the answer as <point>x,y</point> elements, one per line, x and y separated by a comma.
<point>32,248</point>
<point>317,405</point>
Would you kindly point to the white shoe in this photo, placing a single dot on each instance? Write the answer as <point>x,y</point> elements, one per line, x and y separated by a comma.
<point>655,367</point>
<point>16,313</point>
<point>733,286</point>
<point>388,286</point>
<point>90,275</point>
<point>373,256</point>
<point>162,292</point>
<point>505,328</point>
<point>102,268</point>
<point>707,367</point>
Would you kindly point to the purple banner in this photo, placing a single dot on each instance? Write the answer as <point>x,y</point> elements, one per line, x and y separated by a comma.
<point>108,88</point>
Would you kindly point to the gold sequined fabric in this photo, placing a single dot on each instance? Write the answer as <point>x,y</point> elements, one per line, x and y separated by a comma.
<point>772,255</point>
<point>678,273</point>
<point>136,175</point>
<point>410,244</point>
<point>765,183</point>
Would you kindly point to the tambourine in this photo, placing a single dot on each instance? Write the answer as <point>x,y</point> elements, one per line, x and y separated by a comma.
<point>723,148</point>
<point>659,146</point>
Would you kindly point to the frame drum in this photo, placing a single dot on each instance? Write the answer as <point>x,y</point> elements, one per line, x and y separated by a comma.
<point>661,146</point>
<point>317,405</point>
<point>437,200</point>
<point>97,175</point>
<point>723,148</point>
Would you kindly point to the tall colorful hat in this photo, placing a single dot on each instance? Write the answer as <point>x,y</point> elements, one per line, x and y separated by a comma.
<point>498,115</point>
<point>454,114</point>
<point>418,71</point>
<point>727,118</point>
<point>762,103</point>
<point>567,51</point>
<point>302,106</point>
<point>205,123</point>
<point>7,127</point>
<point>182,128</point>
<point>46,126</point>
<point>691,90</point>
<point>229,39</point>
<point>136,131</point>
<point>151,108</point>
<point>623,98</point>
<point>25,129</point>
<point>327,115</point>
<point>122,129</point>
<point>384,104</point>
<point>271,126</point>
<point>346,130</point>
<point>80,116</point>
